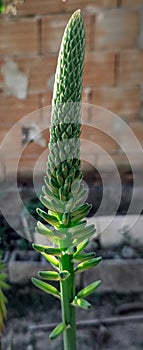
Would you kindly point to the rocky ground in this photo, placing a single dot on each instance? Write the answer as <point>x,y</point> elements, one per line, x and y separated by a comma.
<point>27,307</point>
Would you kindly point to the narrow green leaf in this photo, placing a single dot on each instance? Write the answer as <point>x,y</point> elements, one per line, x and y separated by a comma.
<point>84,304</point>
<point>58,205</point>
<point>2,266</point>
<point>4,285</point>
<point>53,251</point>
<point>2,8</point>
<point>83,209</point>
<point>49,275</point>
<point>83,231</point>
<point>50,234</point>
<point>45,287</point>
<point>65,218</point>
<point>47,249</point>
<point>82,246</point>
<point>88,264</point>
<point>48,218</point>
<point>88,289</point>
<point>80,196</point>
<point>79,217</point>
<point>78,226</point>
<point>38,247</point>
<point>83,257</point>
<point>52,260</point>
<point>46,203</point>
<point>53,204</point>
<point>3,276</point>
<point>58,330</point>
<point>2,306</point>
<point>77,240</point>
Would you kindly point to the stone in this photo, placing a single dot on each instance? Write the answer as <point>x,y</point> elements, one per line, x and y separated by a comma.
<point>128,252</point>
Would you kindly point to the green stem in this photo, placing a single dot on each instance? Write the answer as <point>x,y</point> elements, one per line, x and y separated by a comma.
<point>67,295</point>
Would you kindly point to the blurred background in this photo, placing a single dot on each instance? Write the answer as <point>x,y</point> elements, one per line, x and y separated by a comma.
<point>30,37</point>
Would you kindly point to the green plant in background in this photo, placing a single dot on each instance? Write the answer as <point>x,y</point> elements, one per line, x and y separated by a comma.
<point>2,7</point>
<point>64,193</point>
<point>3,300</point>
<point>9,6</point>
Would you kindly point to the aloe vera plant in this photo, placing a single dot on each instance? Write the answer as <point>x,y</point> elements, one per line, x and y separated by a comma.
<point>63,194</point>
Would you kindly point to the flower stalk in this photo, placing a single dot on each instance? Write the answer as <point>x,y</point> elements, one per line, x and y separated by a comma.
<point>63,194</point>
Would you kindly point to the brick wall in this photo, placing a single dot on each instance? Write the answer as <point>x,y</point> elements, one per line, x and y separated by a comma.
<point>113,75</point>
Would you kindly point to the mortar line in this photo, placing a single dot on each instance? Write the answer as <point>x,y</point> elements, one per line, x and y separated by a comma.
<point>119,3</point>
<point>92,32</point>
<point>116,68</point>
<point>39,35</point>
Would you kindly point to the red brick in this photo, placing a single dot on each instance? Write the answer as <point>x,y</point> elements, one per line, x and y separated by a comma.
<point>123,102</point>
<point>3,133</point>
<point>99,69</point>
<point>40,71</point>
<point>132,2</point>
<point>11,145</point>
<point>86,94</point>
<point>137,128</point>
<point>29,167</point>
<point>1,76</point>
<point>98,137</point>
<point>18,37</point>
<point>33,149</point>
<point>44,7</point>
<point>121,161</point>
<point>46,99</point>
<point>92,4</point>
<point>131,67</point>
<point>13,109</point>
<point>24,168</point>
<point>2,170</point>
<point>11,142</point>
<point>85,111</point>
<point>116,28</point>
<point>10,168</point>
<point>129,138</point>
<point>53,29</point>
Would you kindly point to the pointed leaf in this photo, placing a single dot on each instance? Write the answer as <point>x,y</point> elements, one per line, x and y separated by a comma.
<point>52,260</point>
<point>52,220</point>
<point>47,249</point>
<point>83,257</point>
<point>4,285</point>
<point>46,202</point>
<point>81,232</point>
<point>88,264</point>
<point>49,275</point>
<point>45,287</point>
<point>82,238</point>
<point>53,251</point>
<point>88,289</point>
<point>82,209</point>
<point>82,246</point>
<point>58,330</point>
<point>42,229</point>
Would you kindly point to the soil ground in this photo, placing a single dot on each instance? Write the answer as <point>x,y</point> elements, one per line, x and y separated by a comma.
<point>28,306</point>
